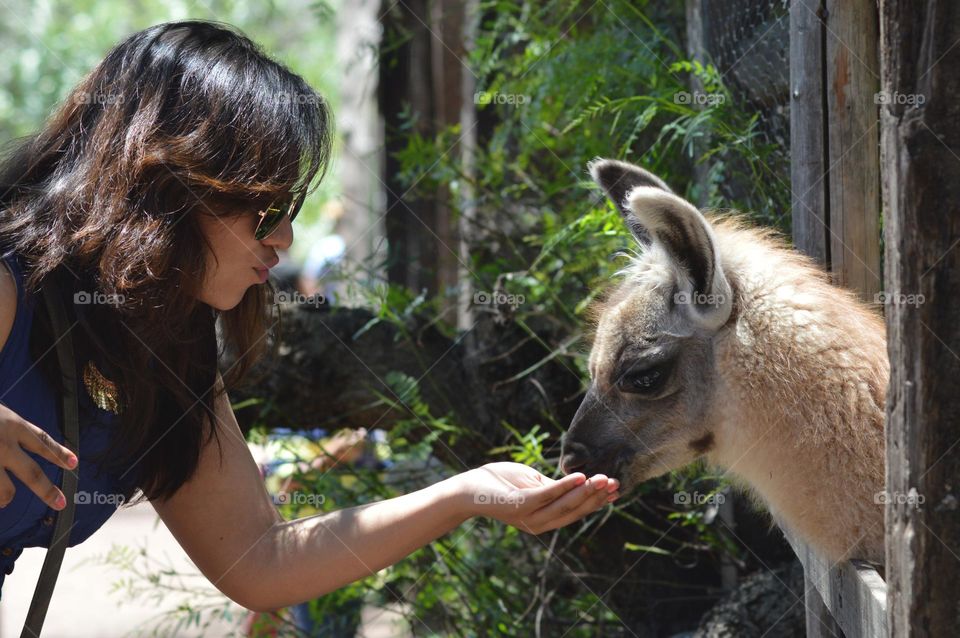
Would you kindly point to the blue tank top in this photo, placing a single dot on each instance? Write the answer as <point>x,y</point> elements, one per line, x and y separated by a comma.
<point>27,521</point>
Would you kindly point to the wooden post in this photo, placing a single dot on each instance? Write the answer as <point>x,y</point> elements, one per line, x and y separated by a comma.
<point>820,622</point>
<point>853,169</point>
<point>921,194</point>
<point>834,174</point>
<point>852,591</point>
<point>809,214</point>
<point>834,164</point>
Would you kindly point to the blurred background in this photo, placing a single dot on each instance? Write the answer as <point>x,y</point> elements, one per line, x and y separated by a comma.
<point>435,302</point>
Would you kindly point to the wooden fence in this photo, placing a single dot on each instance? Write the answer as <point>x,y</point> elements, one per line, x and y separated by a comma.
<point>835,179</point>
<point>843,102</point>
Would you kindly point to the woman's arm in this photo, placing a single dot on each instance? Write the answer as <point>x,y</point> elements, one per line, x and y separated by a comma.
<point>227,523</point>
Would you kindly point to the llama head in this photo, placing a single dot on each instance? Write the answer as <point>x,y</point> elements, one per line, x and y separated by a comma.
<point>648,407</point>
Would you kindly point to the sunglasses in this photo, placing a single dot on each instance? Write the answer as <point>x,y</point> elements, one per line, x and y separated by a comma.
<point>272,215</point>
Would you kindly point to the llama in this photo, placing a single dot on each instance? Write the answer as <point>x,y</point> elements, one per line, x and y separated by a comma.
<point>721,342</point>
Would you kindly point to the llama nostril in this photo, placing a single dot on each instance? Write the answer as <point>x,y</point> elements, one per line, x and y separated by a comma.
<point>573,457</point>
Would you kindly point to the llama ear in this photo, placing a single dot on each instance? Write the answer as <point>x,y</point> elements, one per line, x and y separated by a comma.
<point>686,235</point>
<point>617,179</point>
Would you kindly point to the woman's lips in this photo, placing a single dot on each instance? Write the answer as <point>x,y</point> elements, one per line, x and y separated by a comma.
<point>264,271</point>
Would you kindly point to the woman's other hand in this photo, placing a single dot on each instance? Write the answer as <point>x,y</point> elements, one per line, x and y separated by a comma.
<point>16,437</point>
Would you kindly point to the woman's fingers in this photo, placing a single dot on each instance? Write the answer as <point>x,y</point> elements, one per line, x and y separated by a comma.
<point>535,503</point>
<point>7,490</point>
<point>33,477</point>
<point>36,440</point>
<point>574,504</point>
<point>555,489</point>
<point>590,505</point>
<point>17,437</point>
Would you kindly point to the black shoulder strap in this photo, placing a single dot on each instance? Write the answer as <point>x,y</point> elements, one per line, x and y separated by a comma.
<point>71,434</point>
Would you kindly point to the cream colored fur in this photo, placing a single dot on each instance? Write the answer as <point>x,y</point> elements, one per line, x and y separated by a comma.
<point>804,368</point>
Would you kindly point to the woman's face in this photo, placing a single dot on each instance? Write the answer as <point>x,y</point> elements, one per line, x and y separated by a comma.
<point>236,259</point>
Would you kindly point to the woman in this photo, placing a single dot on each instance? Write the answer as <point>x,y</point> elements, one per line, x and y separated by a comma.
<point>162,191</point>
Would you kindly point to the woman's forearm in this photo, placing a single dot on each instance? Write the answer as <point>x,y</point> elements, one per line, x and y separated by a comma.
<point>298,560</point>
<point>305,558</point>
<point>262,562</point>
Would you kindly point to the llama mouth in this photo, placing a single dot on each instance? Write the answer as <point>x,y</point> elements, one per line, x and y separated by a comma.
<point>633,469</point>
<point>614,464</point>
<point>616,470</point>
<point>610,470</point>
<point>612,473</point>
<point>616,467</point>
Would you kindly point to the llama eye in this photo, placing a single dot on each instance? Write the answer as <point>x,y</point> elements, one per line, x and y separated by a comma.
<point>643,381</point>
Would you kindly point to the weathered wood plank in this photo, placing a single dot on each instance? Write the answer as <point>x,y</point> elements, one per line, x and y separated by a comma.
<point>853,591</point>
<point>852,85</point>
<point>820,622</point>
<point>810,217</point>
<point>921,169</point>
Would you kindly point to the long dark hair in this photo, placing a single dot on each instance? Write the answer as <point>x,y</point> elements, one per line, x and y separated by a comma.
<point>181,119</point>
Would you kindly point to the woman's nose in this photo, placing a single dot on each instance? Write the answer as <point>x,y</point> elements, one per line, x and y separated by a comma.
<point>282,237</point>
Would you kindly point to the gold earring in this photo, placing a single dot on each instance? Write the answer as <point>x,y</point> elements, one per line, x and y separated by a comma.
<point>102,390</point>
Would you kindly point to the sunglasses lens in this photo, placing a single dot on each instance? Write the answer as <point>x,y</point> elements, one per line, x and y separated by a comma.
<point>270,219</point>
<point>296,205</point>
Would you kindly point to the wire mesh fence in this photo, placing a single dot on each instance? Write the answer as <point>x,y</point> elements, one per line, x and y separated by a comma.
<point>748,41</point>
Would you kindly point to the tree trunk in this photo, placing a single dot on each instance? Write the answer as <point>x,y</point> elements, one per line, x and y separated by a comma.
<point>405,91</point>
<point>421,62</point>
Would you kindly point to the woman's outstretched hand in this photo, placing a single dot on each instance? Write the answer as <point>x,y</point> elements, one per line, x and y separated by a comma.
<point>523,497</point>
